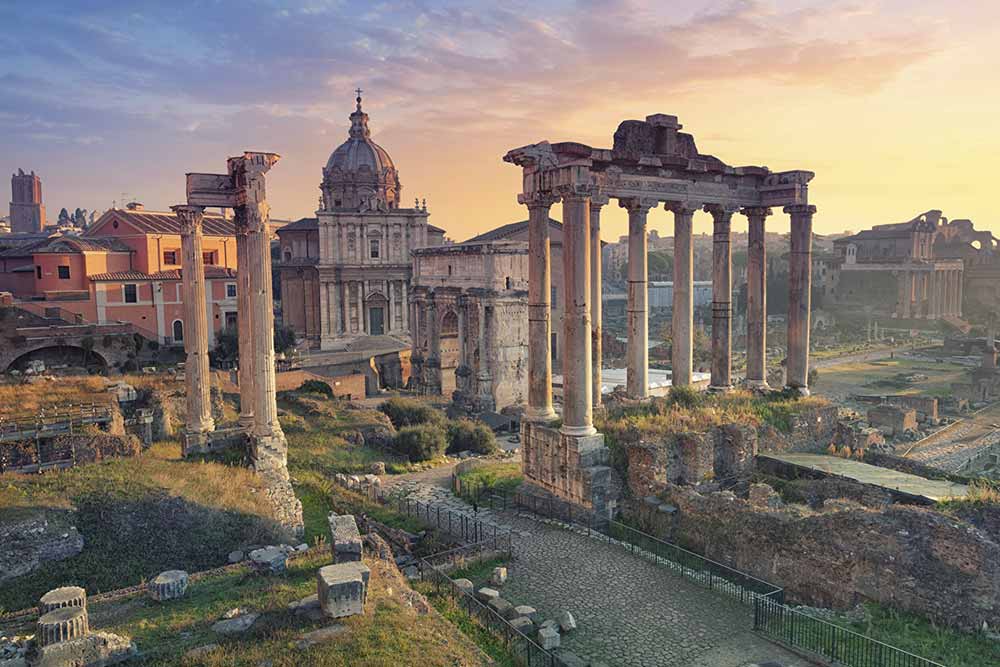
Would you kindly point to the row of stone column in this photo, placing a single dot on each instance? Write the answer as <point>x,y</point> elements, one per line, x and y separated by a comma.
<point>255,321</point>
<point>930,294</point>
<point>581,262</point>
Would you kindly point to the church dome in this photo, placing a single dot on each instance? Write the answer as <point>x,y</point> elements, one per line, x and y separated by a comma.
<point>360,174</point>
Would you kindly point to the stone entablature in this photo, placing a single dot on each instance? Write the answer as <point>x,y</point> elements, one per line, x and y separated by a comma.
<point>469,316</point>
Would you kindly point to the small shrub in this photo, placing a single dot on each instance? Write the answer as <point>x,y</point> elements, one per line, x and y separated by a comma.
<point>465,434</point>
<point>420,443</point>
<point>408,412</point>
<point>685,397</point>
<point>316,387</point>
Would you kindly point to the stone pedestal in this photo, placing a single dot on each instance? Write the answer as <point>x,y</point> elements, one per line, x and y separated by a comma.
<point>341,589</point>
<point>756,297</point>
<point>345,538</point>
<point>574,468</point>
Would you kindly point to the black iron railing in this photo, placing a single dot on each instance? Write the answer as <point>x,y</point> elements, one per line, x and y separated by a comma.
<point>520,646</point>
<point>833,642</point>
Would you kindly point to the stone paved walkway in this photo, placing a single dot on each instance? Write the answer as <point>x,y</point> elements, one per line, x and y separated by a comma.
<point>630,611</point>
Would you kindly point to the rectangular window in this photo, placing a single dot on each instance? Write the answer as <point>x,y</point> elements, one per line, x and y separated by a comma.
<point>131,293</point>
<point>63,272</point>
<point>555,292</point>
<point>208,258</point>
<point>230,290</point>
<point>38,272</point>
<point>555,347</point>
<point>373,249</point>
<point>170,257</point>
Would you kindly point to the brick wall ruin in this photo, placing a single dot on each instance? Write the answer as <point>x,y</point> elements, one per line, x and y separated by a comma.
<point>849,554</point>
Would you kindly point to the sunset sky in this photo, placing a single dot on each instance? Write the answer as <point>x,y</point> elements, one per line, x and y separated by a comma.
<point>893,103</point>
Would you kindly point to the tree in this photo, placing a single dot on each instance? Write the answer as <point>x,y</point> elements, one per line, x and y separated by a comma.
<point>64,218</point>
<point>702,343</point>
<point>80,217</point>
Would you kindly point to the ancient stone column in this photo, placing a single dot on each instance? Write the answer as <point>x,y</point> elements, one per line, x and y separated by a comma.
<point>637,326</point>
<point>722,297</point>
<point>539,308</point>
<point>196,370</point>
<point>244,322</point>
<point>905,291</point>
<point>596,296</point>
<point>578,404</point>
<point>682,354</point>
<point>484,379</point>
<point>269,450</point>
<point>799,296</point>
<point>756,297</point>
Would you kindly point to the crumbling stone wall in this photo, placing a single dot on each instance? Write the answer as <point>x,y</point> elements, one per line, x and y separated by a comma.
<point>893,420</point>
<point>811,430</point>
<point>33,538</point>
<point>916,559</point>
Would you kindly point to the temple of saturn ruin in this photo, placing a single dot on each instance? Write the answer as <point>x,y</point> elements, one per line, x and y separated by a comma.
<point>242,189</point>
<point>650,164</point>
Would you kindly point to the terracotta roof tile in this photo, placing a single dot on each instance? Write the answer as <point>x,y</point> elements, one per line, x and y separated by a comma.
<point>165,222</point>
<point>171,274</point>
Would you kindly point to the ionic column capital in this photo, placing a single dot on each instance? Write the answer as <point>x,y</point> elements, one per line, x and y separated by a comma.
<point>683,207</point>
<point>800,210</point>
<point>637,204</point>
<point>536,200</point>
<point>721,210</point>
<point>752,212</point>
<point>576,191</point>
<point>190,217</point>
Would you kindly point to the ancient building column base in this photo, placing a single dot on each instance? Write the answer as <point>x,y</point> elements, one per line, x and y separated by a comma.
<point>540,416</point>
<point>246,422</point>
<point>758,385</point>
<point>197,442</point>
<point>269,455</point>
<point>801,391</point>
<point>572,468</point>
<point>720,389</point>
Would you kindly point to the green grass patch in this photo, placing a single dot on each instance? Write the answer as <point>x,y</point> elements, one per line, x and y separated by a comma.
<point>922,637</point>
<point>502,477</point>
<point>489,643</point>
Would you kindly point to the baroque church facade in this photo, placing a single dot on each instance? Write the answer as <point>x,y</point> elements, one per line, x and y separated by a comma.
<point>347,273</point>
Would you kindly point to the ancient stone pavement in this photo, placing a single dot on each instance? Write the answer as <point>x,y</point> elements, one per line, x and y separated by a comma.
<point>629,610</point>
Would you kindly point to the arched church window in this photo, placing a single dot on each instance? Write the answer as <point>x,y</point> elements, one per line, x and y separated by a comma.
<point>178,331</point>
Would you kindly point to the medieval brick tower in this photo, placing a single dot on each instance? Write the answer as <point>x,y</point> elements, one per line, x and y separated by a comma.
<point>27,213</point>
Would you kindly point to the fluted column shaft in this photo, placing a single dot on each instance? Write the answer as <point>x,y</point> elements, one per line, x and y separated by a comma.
<point>799,296</point>
<point>722,298</point>
<point>756,297</point>
<point>539,309</point>
<point>196,370</point>
<point>682,353</point>
<point>596,297</point>
<point>578,408</point>
<point>637,353</point>
<point>265,408</point>
<point>244,318</point>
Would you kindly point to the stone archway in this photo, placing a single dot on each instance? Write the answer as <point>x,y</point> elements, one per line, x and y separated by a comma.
<point>377,314</point>
<point>450,352</point>
<point>55,355</point>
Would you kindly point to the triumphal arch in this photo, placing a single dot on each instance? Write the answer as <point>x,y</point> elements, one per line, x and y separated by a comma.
<point>651,164</point>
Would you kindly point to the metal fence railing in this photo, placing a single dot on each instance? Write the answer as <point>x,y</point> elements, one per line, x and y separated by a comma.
<point>839,645</point>
<point>459,525</point>
<point>522,648</point>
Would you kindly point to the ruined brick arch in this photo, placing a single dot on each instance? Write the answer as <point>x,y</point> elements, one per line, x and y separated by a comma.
<point>74,354</point>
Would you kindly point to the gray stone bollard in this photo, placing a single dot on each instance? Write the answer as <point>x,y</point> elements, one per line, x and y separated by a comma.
<point>465,586</point>
<point>67,596</point>
<point>168,585</point>
<point>548,638</point>
<point>499,576</point>
<point>63,624</point>
<point>566,621</point>
<point>487,594</point>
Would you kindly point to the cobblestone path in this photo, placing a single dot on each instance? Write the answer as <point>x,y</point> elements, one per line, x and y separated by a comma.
<point>630,611</point>
<point>952,447</point>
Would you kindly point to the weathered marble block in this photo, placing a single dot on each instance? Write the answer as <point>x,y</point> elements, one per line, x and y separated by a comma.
<point>60,625</point>
<point>341,590</point>
<point>168,585</point>
<point>99,649</point>
<point>346,544</point>
<point>67,596</point>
